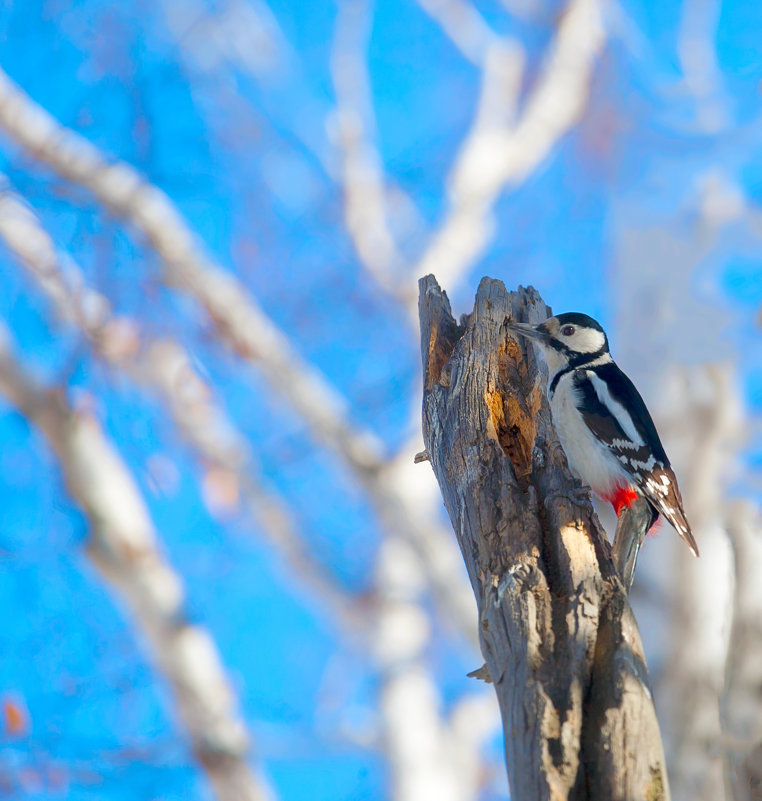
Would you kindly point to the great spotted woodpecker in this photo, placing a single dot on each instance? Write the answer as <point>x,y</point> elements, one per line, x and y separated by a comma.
<point>606,431</point>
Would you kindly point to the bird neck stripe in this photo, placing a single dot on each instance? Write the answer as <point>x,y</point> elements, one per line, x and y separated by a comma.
<point>556,378</point>
<point>575,362</point>
<point>583,359</point>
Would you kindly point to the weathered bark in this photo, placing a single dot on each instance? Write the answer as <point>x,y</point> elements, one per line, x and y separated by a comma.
<point>557,633</point>
<point>125,549</point>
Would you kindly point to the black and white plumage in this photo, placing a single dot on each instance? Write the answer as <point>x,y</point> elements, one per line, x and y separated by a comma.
<point>608,435</point>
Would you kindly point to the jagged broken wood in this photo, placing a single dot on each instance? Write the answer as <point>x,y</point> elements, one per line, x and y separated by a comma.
<point>557,633</point>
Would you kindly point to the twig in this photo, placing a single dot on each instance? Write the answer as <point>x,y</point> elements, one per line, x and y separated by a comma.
<point>698,58</point>
<point>464,25</point>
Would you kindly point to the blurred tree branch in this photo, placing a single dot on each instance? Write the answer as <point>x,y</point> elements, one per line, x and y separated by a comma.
<point>124,547</point>
<point>239,321</point>
<point>742,695</point>
<point>244,327</point>
<point>466,28</point>
<point>363,178</point>
<point>703,602</point>
<point>499,151</point>
<point>166,368</point>
<point>240,324</point>
<point>561,643</point>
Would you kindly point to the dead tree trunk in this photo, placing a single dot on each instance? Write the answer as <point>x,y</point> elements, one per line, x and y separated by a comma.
<point>557,633</point>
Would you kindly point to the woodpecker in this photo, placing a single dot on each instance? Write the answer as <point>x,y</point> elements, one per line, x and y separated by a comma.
<point>608,435</point>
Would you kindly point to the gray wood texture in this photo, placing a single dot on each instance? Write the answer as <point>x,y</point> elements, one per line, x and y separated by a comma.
<point>559,639</point>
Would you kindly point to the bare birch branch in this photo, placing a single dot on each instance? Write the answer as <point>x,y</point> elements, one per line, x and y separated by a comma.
<point>416,738</point>
<point>165,367</point>
<point>692,683</point>
<point>560,641</point>
<point>741,704</point>
<point>363,177</point>
<point>238,320</point>
<point>407,504</point>
<point>497,155</point>
<point>125,549</point>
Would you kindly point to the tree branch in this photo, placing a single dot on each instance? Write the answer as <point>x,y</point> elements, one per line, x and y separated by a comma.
<point>165,367</point>
<point>238,320</point>
<point>560,641</point>
<point>464,25</point>
<point>692,685</point>
<point>125,549</point>
<point>500,152</point>
<point>741,700</point>
<point>363,177</point>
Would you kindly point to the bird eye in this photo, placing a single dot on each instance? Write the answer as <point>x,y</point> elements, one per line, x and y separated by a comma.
<point>567,330</point>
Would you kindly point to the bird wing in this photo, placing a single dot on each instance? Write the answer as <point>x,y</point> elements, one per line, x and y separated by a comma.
<point>660,487</point>
<point>617,416</point>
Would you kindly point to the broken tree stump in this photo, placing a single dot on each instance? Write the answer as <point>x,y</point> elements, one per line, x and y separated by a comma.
<point>558,636</point>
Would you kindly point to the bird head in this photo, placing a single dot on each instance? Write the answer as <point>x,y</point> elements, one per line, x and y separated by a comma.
<point>567,340</point>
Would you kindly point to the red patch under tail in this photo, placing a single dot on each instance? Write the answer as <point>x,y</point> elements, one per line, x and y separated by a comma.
<point>620,498</point>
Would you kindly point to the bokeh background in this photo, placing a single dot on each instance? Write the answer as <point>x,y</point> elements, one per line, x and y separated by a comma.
<point>222,574</point>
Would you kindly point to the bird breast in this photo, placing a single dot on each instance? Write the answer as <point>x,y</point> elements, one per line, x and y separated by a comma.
<point>589,459</point>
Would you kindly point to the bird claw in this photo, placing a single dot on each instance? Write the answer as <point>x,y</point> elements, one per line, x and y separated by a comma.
<point>580,495</point>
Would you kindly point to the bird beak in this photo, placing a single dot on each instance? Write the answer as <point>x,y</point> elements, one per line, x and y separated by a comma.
<point>530,331</point>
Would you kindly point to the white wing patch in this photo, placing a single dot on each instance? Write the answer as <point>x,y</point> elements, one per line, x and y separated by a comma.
<point>658,489</point>
<point>618,412</point>
<point>626,443</point>
<point>643,467</point>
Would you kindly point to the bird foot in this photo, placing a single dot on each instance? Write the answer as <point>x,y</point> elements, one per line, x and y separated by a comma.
<point>580,495</point>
